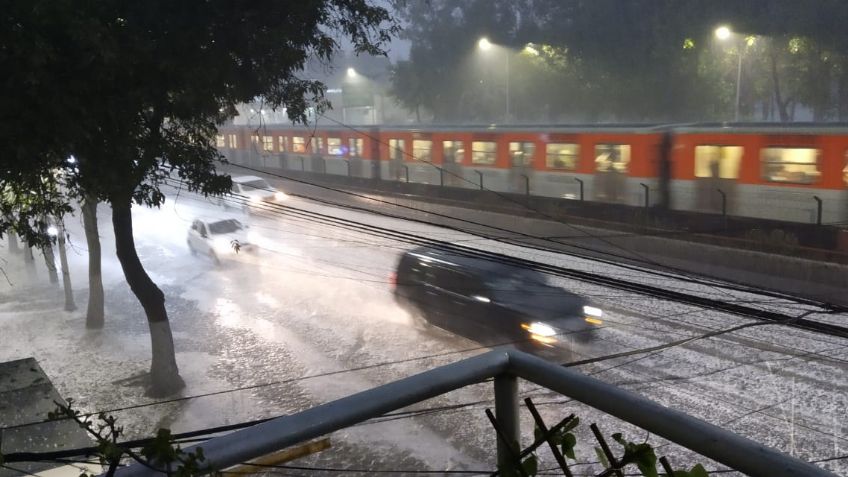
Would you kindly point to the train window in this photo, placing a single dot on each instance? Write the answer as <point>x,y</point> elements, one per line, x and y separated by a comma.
<point>845,170</point>
<point>284,143</point>
<point>355,145</point>
<point>483,152</point>
<point>220,141</point>
<point>718,161</point>
<point>254,138</point>
<point>316,144</point>
<point>612,157</point>
<point>397,149</point>
<point>790,164</point>
<point>268,143</point>
<point>561,155</point>
<point>334,146</point>
<point>453,151</point>
<point>233,141</point>
<point>521,153</point>
<point>298,144</point>
<point>421,150</point>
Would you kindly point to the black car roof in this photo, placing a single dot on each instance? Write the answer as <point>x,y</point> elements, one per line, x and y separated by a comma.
<point>467,262</point>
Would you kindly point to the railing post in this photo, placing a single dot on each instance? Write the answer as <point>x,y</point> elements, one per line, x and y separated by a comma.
<point>647,194</point>
<point>481,178</point>
<point>441,176</point>
<point>406,170</point>
<point>723,202</point>
<point>302,164</point>
<point>347,161</point>
<point>819,209</point>
<point>526,184</point>
<point>579,181</point>
<point>506,412</point>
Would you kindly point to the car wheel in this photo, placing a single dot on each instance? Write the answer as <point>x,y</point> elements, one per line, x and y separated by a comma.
<point>419,321</point>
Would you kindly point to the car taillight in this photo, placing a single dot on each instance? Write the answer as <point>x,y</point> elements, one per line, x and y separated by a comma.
<point>393,279</point>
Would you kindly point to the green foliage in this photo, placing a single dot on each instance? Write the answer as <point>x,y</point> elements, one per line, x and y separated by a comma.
<point>640,454</point>
<point>697,471</point>
<point>160,452</point>
<point>136,90</point>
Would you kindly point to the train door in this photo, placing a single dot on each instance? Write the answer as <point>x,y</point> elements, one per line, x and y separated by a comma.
<point>397,151</point>
<point>716,173</point>
<point>453,153</point>
<point>521,166</point>
<point>612,163</point>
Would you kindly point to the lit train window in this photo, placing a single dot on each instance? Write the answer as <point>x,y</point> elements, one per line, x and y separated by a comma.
<point>397,149</point>
<point>612,157</point>
<point>268,143</point>
<point>355,145</point>
<point>220,141</point>
<point>233,141</point>
<point>422,150</point>
<point>298,144</point>
<point>334,146</point>
<point>255,139</point>
<point>521,153</point>
<point>790,164</point>
<point>718,161</point>
<point>316,144</point>
<point>483,152</point>
<point>845,170</point>
<point>284,143</point>
<point>561,155</point>
<point>453,151</point>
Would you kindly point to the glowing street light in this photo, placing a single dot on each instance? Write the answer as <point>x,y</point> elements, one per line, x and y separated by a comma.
<point>484,44</point>
<point>723,33</point>
<point>351,73</point>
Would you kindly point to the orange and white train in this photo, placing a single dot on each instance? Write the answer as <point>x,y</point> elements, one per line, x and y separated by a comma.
<point>793,173</point>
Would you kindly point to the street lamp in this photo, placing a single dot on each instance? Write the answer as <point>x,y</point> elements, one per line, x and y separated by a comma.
<point>723,33</point>
<point>485,45</point>
<point>351,73</point>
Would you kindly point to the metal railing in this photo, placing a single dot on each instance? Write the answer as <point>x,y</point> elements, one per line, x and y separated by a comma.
<point>505,367</point>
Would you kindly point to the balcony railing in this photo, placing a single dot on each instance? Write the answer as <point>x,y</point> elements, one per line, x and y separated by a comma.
<point>505,367</point>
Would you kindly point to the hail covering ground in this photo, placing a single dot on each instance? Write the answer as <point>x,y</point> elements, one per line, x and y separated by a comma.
<point>315,299</point>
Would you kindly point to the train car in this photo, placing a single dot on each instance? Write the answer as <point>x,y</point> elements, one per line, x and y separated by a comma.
<point>794,174</point>
<point>786,173</point>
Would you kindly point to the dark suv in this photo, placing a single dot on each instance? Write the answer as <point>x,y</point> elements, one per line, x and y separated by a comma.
<point>492,303</point>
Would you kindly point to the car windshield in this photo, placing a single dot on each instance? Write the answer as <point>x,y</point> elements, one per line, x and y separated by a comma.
<point>256,184</point>
<point>225,226</point>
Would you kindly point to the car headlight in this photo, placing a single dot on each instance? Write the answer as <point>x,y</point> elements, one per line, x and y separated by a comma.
<point>592,311</point>
<point>221,244</point>
<point>541,333</point>
<point>255,199</point>
<point>280,196</point>
<point>540,329</point>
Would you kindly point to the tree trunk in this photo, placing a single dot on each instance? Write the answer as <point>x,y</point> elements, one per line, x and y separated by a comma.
<point>164,374</point>
<point>94,315</point>
<point>781,106</point>
<point>13,242</point>
<point>50,261</point>
<point>66,274</point>
<point>28,258</point>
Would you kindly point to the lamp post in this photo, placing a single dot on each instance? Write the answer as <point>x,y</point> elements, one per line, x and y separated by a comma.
<point>723,33</point>
<point>485,45</point>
